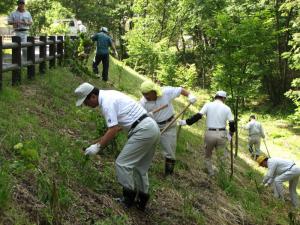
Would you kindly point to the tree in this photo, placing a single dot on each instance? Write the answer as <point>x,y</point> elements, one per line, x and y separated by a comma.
<point>6,6</point>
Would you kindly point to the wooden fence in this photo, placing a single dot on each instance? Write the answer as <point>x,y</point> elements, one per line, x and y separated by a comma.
<point>56,52</point>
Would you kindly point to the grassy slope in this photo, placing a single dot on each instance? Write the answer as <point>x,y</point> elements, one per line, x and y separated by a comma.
<point>60,185</point>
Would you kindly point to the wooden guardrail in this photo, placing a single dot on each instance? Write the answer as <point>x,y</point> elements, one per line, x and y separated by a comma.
<point>56,52</point>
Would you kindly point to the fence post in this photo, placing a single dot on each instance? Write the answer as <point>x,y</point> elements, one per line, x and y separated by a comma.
<point>16,59</point>
<point>52,51</point>
<point>31,57</point>
<point>60,49</point>
<point>43,54</point>
<point>1,61</point>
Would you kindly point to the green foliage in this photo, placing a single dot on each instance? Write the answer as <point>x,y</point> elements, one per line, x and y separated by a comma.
<point>44,14</point>
<point>294,95</point>
<point>28,153</point>
<point>5,188</point>
<point>77,51</point>
<point>293,55</point>
<point>186,76</point>
<point>6,6</point>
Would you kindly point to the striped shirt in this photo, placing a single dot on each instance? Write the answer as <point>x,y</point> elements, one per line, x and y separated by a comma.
<point>119,109</point>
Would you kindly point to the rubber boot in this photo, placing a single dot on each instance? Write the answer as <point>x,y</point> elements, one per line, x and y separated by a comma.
<point>128,197</point>
<point>142,200</point>
<point>169,166</point>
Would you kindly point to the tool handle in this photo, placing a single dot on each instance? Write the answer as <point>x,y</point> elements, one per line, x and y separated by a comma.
<point>160,108</point>
<point>175,118</point>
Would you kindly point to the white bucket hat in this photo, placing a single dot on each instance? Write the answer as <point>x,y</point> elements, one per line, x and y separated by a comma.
<point>221,94</point>
<point>104,29</point>
<point>82,91</point>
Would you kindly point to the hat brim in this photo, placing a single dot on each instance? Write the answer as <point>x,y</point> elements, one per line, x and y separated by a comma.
<point>80,101</point>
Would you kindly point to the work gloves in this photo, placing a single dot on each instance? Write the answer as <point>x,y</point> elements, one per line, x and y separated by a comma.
<point>192,99</point>
<point>93,149</point>
<point>181,122</point>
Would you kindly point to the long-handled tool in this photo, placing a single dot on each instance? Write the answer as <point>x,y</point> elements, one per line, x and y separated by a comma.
<point>267,148</point>
<point>174,119</point>
<point>159,108</point>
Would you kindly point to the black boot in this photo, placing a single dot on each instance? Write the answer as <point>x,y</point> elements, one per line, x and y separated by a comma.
<point>128,197</point>
<point>142,200</point>
<point>169,166</point>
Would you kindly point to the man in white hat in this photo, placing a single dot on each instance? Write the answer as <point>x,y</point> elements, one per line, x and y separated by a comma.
<point>155,97</point>
<point>133,162</point>
<point>216,136</point>
<point>279,171</point>
<point>256,132</point>
<point>104,41</point>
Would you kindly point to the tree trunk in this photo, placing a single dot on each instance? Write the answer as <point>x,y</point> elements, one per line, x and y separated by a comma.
<point>236,114</point>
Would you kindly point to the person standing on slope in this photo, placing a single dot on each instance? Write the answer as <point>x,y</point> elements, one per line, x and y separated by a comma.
<point>216,136</point>
<point>104,41</point>
<point>256,132</point>
<point>133,162</point>
<point>155,97</point>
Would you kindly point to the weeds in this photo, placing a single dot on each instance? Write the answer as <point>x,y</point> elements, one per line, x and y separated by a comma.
<point>5,188</point>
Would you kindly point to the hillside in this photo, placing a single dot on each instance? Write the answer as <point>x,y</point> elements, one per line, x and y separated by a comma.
<point>50,181</point>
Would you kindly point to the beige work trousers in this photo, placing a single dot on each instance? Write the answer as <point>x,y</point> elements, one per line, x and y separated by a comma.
<point>215,140</point>
<point>133,162</point>
<point>168,141</point>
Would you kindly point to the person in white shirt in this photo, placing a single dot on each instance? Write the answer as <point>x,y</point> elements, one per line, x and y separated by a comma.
<point>279,171</point>
<point>21,21</point>
<point>133,162</point>
<point>216,136</point>
<point>256,132</point>
<point>155,97</point>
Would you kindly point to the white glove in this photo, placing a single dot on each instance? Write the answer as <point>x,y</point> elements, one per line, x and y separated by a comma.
<point>93,149</point>
<point>181,122</point>
<point>150,114</point>
<point>192,99</point>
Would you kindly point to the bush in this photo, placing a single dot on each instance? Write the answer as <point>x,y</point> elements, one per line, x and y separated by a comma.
<point>294,95</point>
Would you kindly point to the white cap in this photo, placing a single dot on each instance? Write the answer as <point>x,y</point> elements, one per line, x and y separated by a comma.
<point>221,94</point>
<point>82,91</point>
<point>104,29</point>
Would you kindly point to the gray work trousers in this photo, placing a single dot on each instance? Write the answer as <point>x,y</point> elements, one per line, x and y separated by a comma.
<point>168,141</point>
<point>215,140</point>
<point>133,162</point>
<point>254,143</point>
<point>293,177</point>
<point>23,35</point>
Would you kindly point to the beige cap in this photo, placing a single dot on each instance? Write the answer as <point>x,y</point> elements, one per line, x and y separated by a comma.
<point>82,91</point>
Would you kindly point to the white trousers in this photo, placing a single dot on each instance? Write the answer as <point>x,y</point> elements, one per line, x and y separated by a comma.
<point>133,162</point>
<point>168,141</point>
<point>293,177</point>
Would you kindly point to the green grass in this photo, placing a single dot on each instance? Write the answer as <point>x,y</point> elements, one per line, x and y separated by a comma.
<point>50,177</point>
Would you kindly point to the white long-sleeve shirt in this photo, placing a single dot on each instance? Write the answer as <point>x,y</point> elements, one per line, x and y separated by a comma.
<point>255,128</point>
<point>276,167</point>
<point>168,95</point>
